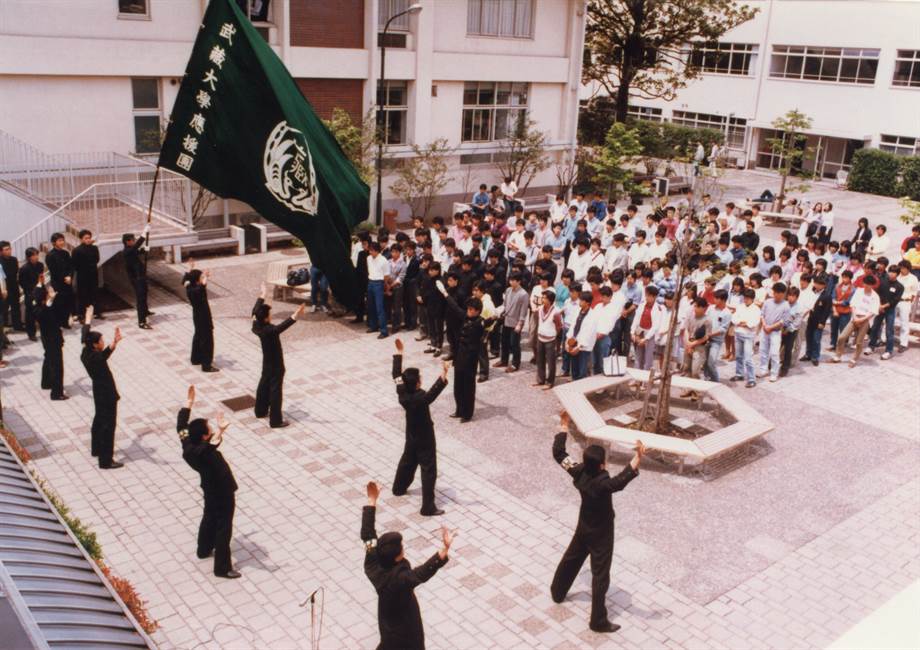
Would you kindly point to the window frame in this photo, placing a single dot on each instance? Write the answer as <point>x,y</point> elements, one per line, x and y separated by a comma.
<point>897,147</point>
<point>386,108</point>
<point>485,115</point>
<point>400,25</point>
<point>147,112</point>
<point>747,52</point>
<point>824,64</point>
<point>646,113</point>
<point>734,135</point>
<point>911,57</point>
<point>121,15</point>
<point>479,33</point>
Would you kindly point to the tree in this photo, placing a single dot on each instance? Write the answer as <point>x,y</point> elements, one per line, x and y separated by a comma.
<point>612,162</point>
<point>637,47</point>
<point>788,145</point>
<point>356,140</point>
<point>420,179</point>
<point>523,154</point>
<point>568,167</point>
<point>911,215</point>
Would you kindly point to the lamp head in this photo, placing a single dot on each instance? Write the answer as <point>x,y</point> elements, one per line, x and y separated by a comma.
<point>414,8</point>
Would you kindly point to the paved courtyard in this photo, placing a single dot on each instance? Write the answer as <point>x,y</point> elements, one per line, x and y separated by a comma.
<point>789,547</point>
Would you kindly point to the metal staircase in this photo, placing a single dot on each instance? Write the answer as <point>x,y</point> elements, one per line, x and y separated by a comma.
<point>105,192</point>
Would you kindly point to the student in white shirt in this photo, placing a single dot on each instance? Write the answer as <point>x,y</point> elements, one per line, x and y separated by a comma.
<point>606,313</point>
<point>549,324</point>
<point>580,205</point>
<point>581,338</point>
<point>865,306</point>
<point>645,327</point>
<point>558,211</point>
<point>508,189</point>
<point>660,248</point>
<point>617,257</point>
<point>580,260</point>
<point>745,319</point>
<point>911,285</point>
<point>878,245</point>
<point>639,251</point>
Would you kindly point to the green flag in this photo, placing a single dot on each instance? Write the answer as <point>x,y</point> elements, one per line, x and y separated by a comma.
<point>241,128</point>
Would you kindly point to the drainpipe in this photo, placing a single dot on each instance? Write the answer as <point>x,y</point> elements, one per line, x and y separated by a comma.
<point>763,71</point>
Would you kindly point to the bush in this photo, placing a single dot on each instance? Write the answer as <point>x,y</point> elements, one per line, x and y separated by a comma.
<point>910,178</point>
<point>21,452</point>
<point>875,172</point>
<point>667,141</point>
<point>131,599</point>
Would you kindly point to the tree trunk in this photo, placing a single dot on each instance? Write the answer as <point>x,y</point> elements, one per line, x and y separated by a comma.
<point>622,105</point>
<point>663,407</point>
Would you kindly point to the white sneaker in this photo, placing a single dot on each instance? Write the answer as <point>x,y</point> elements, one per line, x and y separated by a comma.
<point>868,351</point>
<point>761,375</point>
<point>774,378</point>
<point>837,359</point>
<point>886,356</point>
<point>314,309</point>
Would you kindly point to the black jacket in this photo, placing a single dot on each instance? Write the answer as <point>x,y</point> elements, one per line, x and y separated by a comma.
<point>85,262</point>
<point>431,297</point>
<point>398,616</point>
<point>471,334</point>
<point>10,267</point>
<point>890,293</point>
<point>133,264</point>
<point>60,266</point>
<point>97,366</point>
<point>270,338</point>
<point>201,309</point>
<point>821,310</point>
<point>29,275</point>
<point>203,457</point>
<point>416,402</point>
<point>595,517</point>
<point>49,322</point>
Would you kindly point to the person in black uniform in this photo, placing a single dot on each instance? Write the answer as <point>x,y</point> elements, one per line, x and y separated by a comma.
<point>420,449</point>
<point>49,322</point>
<point>268,394</point>
<point>30,276</point>
<point>361,267</point>
<point>86,265</point>
<point>199,450</point>
<point>95,358</point>
<point>60,267</point>
<point>12,312</point>
<point>594,531</point>
<point>385,565</point>
<point>137,273</point>
<point>196,288</point>
<point>466,357</point>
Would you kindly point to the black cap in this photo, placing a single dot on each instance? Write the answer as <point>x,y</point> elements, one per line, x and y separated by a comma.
<point>389,546</point>
<point>197,429</point>
<point>594,457</point>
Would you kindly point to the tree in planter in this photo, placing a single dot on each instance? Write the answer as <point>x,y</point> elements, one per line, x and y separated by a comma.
<point>612,163</point>
<point>789,147</point>
<point>522,154</point>
<point>356,140</point>
<point>421,178</point>
<point>637,47</point>
<point>569,167</point>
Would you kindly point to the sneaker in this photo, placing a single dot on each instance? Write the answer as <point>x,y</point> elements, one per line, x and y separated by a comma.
<point>902,348</point>
<point>805,358</point>
<point>773,378</point>
<point>314,309</point>
<point>886,356</point>
<point>868,351</point>
<point>736,378</point>
<point>836,358</point>
<point>853,363</point>
<point>750,384</point>
<point>761,375</point>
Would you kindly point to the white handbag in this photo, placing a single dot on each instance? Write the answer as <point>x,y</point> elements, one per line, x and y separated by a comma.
<point>613,367</point>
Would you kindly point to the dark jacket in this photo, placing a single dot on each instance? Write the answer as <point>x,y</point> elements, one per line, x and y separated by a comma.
<point>97,366</point>
<point>49,322</point>
<point>133,263</point>
<point>201,309</point>
<point>890,293</point>
<point>270,338</point>
<point>595,517</point>
<point>398,616</point>
<point>29,275</point>
<point>85,262</point>
<point>416,402</point>
<point>203,457</point>
<point>821,310</point>
<point>471,334</point>
<point>60,266</point>
<point>431,297</point>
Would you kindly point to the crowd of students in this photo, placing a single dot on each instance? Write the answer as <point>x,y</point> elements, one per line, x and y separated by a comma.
<point>584,280</point>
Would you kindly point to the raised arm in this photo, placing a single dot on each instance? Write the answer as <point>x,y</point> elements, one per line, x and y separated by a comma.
<point>438,385</point>
<point>426,571</point>
<point>631,471</point>
<point>560,455</point>
<point>185,413</point>
<point>368,516</point>
<point>397,359</point>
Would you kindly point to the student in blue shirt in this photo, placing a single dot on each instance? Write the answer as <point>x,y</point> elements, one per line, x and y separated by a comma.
<point>481,200</point>
<point>600,206</point>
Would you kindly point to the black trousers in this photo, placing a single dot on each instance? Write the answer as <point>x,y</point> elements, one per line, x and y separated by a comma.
<point>103,433</point>
<point>600,548</point>
<point>422,319</point>
<point>412,457</point>
<point>547,352</point>
<point>495,340</point>
<point>436,329</point>
<point>203,347</point>
<point>465,390</point>
<point>268,396</point>
<point>12,314</point>
<point>484,359</point>
<point>140,299</point>
<point>86,296</point>
<point>362,299</point>
<point>620,337</point>
<point>511,346</point>
<point>410,304</point>
<point>64,303</point>
<point>30,316</point>
<point>53,370</point>
<point>395,306</point>
<point>787,345</point>
<point>216,530</point>
<point>452,328</point>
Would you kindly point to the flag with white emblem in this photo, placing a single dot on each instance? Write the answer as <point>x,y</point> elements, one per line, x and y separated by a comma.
<point>241,128</point>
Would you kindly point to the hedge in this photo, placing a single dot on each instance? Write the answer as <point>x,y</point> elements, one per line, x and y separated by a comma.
<point>910,178</point>
<point>880,172</point>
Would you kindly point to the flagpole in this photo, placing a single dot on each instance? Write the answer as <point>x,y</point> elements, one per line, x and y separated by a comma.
<point>153,191</point>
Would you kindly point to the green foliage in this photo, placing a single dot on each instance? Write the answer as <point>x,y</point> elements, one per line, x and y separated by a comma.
<point>84,535</point>
<point>875,172</point>
<point>912,215</point>
<point>523,154</point>
<point>594,119</point>
<point>356,140</point>
<point>789,146</point>
<point>612,162</point>
<point>635,48</point>
<point>668,141</point>
<point>420,178</point>
<point>910,177</point>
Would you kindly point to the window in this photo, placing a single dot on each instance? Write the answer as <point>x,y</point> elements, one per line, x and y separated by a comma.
<point>900,145</point>
<point>133,9</point>
<point>734,136</point>
<point>389,8</point>
<point>391,121</point>
<point>503,18</point>
<point>843,65</point>
<point>907,69</point>
<point>256,10</point>
<point>145,94</point>
<point>644,113</point>
<point>491,110</point>
<point>723,58</point>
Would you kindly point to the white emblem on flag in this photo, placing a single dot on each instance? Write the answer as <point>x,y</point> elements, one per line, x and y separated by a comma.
<point>288,167</point>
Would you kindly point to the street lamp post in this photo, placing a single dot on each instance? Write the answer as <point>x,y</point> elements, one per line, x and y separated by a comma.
<point>381,98</point>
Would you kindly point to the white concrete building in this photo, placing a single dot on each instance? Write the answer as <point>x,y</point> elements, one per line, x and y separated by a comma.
<point>853,67</point>
<point>93,75</point>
